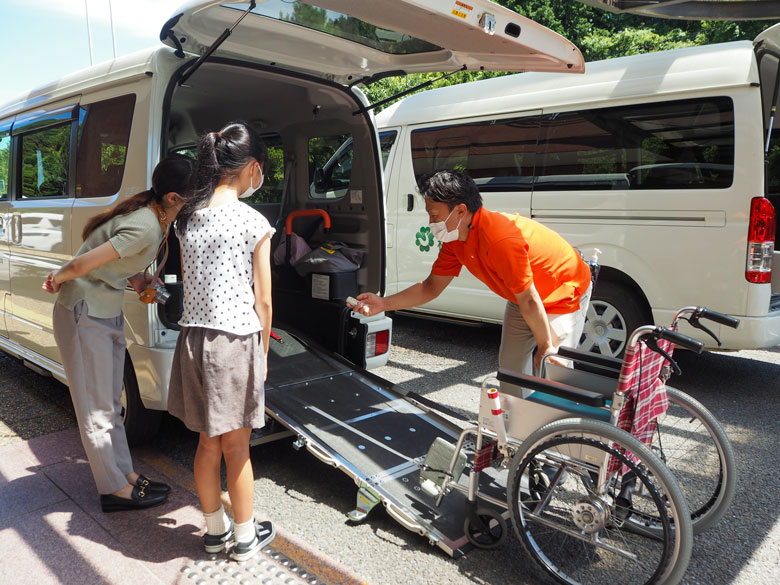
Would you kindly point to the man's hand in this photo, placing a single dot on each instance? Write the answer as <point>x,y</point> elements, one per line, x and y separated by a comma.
<point>553,359</point>
<point>372,304</point>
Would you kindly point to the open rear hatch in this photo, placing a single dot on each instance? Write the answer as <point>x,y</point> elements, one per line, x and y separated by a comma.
<point>767,48</point>
<point>350,40</point>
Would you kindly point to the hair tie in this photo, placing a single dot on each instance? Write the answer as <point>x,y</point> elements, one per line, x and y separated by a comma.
<point>153,192</point>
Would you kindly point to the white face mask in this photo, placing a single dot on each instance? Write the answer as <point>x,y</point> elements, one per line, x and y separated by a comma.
<point>250,190</point>
<point>439,230</point>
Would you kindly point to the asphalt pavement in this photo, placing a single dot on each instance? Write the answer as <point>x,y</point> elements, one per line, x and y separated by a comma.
<point>446,363</point>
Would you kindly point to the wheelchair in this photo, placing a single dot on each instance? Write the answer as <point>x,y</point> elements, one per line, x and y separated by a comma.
<point>590,502</point>
<point>686,436</point>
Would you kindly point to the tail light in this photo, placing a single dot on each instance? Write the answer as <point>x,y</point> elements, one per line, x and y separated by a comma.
<point>377,343</point>
<point>761,241</point>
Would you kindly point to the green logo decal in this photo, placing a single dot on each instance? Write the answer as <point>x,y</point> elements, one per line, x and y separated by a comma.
<point>424,239</point>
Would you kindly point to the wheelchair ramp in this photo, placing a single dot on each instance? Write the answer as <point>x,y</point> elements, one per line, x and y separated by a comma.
<point>357,423</point>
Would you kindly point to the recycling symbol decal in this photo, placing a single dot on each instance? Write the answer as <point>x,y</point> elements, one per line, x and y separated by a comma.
<point>424,239</point>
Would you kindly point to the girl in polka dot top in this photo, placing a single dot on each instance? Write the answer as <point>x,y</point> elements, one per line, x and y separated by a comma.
<point>220,364</point>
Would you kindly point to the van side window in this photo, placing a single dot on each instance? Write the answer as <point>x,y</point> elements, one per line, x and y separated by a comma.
<point>329,176</point>
<point>685,144</point>
<point>386,141</point>
<point>45,161</point>
<point>103,137</point>
<point>498,154</point>
<point>5,153</point>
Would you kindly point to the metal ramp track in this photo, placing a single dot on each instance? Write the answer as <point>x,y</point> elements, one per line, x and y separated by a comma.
<point>358,423</point>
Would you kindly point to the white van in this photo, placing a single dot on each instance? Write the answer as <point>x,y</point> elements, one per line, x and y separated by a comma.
<point>657,160</point>
<point>74,147</point>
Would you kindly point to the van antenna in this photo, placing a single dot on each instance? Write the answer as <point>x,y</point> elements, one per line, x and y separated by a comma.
<point>215,45</point>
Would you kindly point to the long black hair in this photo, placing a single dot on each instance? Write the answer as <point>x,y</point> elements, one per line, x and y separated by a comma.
<point>173,173</point>
<point>220,154</point>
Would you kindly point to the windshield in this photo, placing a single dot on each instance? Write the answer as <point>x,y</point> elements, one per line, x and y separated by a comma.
<point>339,25</point>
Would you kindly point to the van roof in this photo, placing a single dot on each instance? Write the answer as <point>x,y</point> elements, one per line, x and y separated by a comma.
<point>137,63</point>
<point>610,80</point>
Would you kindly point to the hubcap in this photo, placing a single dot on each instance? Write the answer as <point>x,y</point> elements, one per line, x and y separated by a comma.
<point>605,330</point>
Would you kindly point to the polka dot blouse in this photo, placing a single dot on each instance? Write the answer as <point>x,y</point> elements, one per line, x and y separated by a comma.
<point>216,253</point>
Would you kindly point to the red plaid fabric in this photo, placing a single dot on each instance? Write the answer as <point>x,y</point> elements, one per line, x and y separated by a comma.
<point>643,380</point>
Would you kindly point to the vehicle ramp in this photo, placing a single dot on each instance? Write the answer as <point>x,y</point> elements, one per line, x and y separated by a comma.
<point>359,423</point>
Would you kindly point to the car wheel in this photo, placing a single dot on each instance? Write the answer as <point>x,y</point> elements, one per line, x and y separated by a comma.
<point>614,312</point>
<point>140,423</point>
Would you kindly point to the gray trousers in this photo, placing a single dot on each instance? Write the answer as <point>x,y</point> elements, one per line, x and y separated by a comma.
<point>93,354</point>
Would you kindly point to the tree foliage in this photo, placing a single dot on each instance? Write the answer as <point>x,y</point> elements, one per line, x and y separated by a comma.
<point>598,34</point>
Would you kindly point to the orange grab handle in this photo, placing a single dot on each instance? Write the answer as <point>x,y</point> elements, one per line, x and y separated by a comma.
<point>302,213</point>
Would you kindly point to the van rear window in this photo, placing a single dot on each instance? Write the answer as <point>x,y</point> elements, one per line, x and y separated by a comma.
<point>684,144</point>
<point>340,25</point>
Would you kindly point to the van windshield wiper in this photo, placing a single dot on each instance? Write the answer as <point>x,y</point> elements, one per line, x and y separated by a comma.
<point>367,80</point>
<point>214,46</point>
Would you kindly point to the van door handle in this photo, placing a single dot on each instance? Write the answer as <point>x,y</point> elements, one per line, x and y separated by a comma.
<point>16,229</point>
<point>410,202</point>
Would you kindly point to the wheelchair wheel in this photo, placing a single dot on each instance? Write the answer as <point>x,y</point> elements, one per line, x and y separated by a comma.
<point>489,533</point>
<point>583,533</point>
<point>693,445</point>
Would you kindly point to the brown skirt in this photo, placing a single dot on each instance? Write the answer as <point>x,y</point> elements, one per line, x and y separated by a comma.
<point>217,381</point>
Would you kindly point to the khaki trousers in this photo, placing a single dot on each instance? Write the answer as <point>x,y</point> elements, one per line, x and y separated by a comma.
<point>93,354</point>
<point>517,340</point>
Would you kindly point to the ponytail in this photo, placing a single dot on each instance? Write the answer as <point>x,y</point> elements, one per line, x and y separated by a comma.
<point>221,154</point>
<point>173,173</point>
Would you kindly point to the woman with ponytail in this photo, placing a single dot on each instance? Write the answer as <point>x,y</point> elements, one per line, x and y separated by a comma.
<point>89,327</point>
<point>220,363</point>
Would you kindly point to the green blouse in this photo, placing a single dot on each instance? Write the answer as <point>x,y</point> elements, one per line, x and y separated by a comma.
<point>136,237</point>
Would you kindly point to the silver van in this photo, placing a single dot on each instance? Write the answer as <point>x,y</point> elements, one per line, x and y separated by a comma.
<point>76,146</point>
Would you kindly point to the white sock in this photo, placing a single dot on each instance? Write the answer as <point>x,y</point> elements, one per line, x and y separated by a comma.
<point>217,522</point>
<point>245,532</point>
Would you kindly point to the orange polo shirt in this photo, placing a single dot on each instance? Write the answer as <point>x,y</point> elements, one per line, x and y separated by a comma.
<point>509,252</point>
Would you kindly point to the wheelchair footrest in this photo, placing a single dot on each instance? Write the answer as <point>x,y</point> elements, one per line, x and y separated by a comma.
<point>436,466</point>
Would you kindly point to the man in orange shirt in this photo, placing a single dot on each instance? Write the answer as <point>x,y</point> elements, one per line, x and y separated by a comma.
<point>546,283</point>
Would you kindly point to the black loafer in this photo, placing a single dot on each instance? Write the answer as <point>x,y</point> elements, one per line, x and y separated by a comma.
<point>139,500</point>
<point>152,486</point>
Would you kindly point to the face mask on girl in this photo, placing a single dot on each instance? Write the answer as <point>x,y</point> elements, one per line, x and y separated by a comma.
<point>250,190</point>
<point>439,230</point>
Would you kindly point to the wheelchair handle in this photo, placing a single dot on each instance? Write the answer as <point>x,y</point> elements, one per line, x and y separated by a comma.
<point>680,340</point>
<point>726,320</point>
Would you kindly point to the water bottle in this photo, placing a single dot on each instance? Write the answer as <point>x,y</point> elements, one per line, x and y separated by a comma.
<point>593,264</point>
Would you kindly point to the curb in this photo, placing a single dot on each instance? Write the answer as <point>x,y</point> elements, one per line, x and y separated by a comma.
<point>300,552</point>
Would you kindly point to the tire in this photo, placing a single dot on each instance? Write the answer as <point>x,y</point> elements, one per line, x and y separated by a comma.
<point>693,445</point>
<point>141,423</point>
<point>614,312</point>
<point>491,538</point>
<point>580,534</point>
